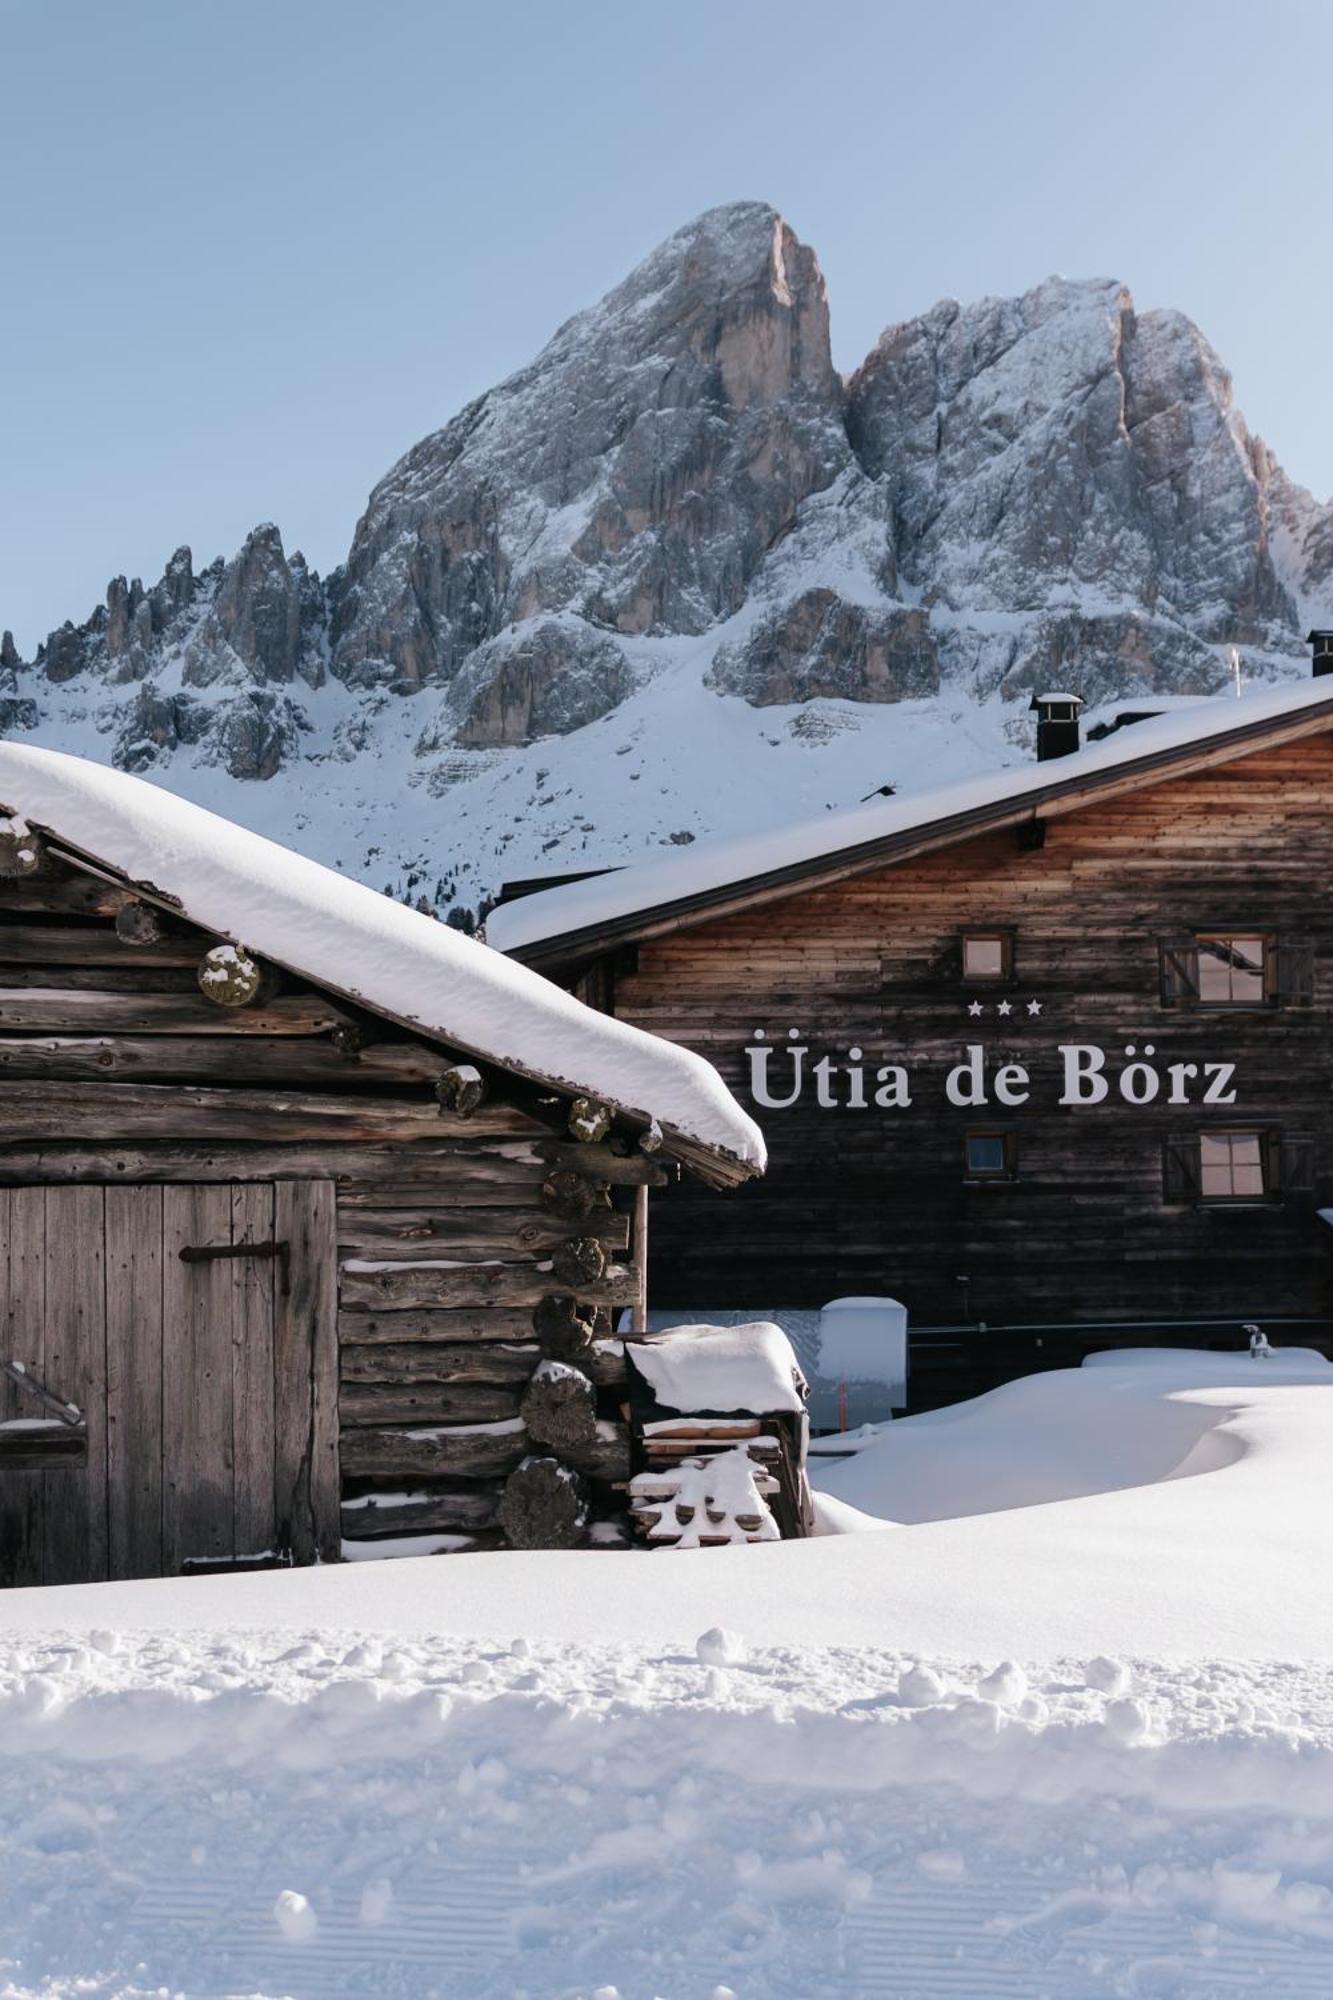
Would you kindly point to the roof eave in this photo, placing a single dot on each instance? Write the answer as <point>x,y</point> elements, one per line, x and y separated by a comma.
<point>715,1164</point>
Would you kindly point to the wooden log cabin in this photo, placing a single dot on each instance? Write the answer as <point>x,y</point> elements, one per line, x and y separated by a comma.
<point>1044,1055</point>
<point>303,1196</point>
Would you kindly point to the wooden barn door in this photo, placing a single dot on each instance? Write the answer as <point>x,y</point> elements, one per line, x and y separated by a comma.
<point>195,1328</point>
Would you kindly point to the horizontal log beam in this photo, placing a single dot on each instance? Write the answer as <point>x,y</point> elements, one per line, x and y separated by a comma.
<point>382,1403</point>
<point>63,893</point>
<point>452,1174</point>
<point>447,1328</point>
<point>432,1509</point>
<point>433,1451</point>
<point>499,1364</point>
<point>604,1363</point>
<point>288,1060</point>
<point>599,1163</point>
<point>72,1010</point>
<point>142,1110</point>
<point>461,1284</point>
<point>89,944</point>
<point>416,1231</point>
<point>604,1456</point>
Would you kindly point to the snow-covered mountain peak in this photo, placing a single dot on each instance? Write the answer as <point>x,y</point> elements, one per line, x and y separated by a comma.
<point>675,577</point>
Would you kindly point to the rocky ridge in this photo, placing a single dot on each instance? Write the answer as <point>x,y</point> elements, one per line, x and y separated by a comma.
<point>680,502</point>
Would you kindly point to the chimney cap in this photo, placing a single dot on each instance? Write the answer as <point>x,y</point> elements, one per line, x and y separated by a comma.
<point>1319,632</point>
<point>1044,700</point>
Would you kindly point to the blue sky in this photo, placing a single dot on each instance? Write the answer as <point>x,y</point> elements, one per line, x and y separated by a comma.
<point>253,249</point>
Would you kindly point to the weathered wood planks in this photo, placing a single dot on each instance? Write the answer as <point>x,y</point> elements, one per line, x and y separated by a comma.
<point>198,1439</point>
<point>306,1371</point>
<point>23,1496</point>
<point>76,1531</point>
<point>229,1385</point>
<point>867,1201</point>
<point>134,1379</point>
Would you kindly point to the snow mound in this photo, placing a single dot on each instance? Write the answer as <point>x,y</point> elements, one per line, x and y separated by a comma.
<point>749,1368</point>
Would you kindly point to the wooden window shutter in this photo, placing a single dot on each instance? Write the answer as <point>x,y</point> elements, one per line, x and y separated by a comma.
<point>1295,1165</point>
<point>1179,957</point>
<point>1291,975</point>
<point>1180,1167</point>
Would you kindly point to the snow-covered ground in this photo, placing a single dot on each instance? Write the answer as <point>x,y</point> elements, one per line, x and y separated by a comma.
<point>1060,1727</point>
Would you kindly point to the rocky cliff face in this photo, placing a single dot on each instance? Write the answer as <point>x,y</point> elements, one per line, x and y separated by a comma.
<point>680,502</point>
<point>633,479</point>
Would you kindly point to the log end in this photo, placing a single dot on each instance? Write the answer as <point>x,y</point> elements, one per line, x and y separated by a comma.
<point>229,976</point>
<point>543,1506</point>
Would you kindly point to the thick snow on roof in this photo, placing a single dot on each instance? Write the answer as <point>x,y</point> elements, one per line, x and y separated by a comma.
<point>713,865</point>
<point>346,936</point>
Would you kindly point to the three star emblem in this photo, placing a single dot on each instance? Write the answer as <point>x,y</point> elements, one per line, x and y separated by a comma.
<point>976,1008</point>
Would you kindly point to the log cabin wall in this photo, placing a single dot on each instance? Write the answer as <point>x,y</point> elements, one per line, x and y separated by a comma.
<point>1090,1226</point>
<point>456,1251</point>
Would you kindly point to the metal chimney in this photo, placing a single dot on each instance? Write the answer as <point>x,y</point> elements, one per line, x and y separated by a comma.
<point>1321,644</point>
<point>1057,724</point>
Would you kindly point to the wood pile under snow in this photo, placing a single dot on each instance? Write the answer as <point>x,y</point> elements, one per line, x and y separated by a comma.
<point>719,1432</point>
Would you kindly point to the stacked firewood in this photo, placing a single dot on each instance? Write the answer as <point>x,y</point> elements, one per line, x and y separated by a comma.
<point>707,1483</point>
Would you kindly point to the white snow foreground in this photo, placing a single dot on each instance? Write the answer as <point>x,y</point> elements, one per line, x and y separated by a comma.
<point>996,1754</point>
<point>345,936</point>
<point>235,1815</point>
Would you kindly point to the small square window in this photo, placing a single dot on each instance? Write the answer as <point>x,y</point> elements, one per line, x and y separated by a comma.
<point>1233,970</point>
<point>990,1156</point>
<point>987,956</point>
<point>1231,1166</point>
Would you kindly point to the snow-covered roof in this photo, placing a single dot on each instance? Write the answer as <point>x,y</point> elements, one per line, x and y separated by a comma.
<point>714,871</point>
<point>347,937</point>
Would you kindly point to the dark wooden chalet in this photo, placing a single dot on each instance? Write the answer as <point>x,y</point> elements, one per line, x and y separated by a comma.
<point>302,1197</point>
<point>1045,1055</point>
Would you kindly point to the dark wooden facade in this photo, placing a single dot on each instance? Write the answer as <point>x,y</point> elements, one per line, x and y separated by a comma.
<point>1098,1216</point>
<point>294,1296</point>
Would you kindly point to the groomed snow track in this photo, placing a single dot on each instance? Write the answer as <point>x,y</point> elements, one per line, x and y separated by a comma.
<point>471,1822</point>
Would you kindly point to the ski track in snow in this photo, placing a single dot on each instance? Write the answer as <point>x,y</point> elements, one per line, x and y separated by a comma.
<point>468,1820</point>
